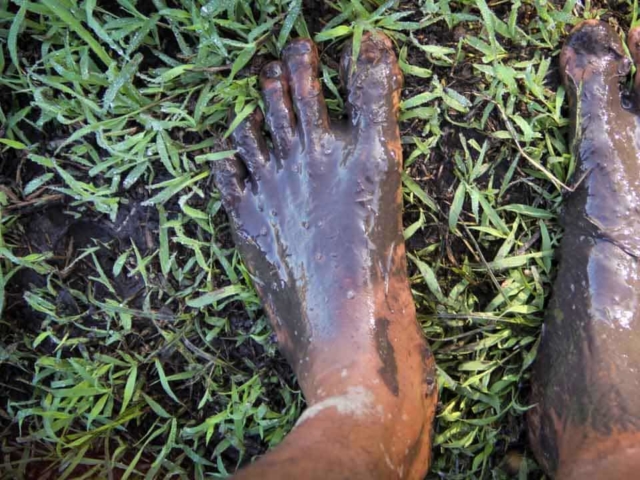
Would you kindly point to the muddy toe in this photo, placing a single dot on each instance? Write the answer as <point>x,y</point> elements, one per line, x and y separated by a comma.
<point>374,83</point>
<point>301,64</point>
<point>593,52</point>
<point>250,143</point>
<point>593,65</point>
<point>230,176</point>
<point>278,107</point>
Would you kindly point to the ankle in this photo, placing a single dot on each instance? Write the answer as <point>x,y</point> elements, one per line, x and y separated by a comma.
<point>391,435</point>
<point>396,422</point>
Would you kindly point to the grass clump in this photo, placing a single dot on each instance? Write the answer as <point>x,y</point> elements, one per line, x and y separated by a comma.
<point>131,337</point>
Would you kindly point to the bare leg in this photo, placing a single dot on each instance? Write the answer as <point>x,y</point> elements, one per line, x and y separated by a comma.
<point>317,219</point>
<point>587,381</point>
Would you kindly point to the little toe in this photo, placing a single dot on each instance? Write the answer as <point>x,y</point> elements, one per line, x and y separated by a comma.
<point>229,176</point>
<point>279,108</point>
<point>301,67</point>
<point>634,47</point>
<point>593,52</point>
<point>249,141</point>
<point>374,85</point>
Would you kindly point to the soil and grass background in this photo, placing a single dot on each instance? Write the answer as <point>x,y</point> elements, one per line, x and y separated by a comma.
<point>132,343</point>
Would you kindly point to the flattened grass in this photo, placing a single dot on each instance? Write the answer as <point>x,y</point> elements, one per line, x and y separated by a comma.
<point>153,355</point>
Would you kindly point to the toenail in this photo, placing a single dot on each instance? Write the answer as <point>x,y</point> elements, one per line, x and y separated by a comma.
<point>273,70</point>
<point>371,51</point>
<point>299,47</point>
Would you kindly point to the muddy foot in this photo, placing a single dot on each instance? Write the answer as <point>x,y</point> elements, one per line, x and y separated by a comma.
<point>586,385</point>
<point>317,219</point>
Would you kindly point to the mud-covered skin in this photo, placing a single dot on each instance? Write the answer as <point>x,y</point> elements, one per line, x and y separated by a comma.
<point>587,378</point>
<point>317,220</point>
<point>318,223</point>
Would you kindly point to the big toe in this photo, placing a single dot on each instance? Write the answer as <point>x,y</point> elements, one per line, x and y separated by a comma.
<point>593,50</point>
<point>374,83</point>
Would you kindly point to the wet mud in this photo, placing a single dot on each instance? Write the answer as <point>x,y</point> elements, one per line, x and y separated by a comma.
<point>389,369</point>
<point>53,230</point>
<point>586,383</point>
<point>317,218</point>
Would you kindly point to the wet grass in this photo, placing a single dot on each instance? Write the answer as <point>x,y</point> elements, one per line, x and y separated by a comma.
<point>131,337</point>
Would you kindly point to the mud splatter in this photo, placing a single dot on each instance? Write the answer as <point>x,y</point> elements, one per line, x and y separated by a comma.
<point>389,369</point>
